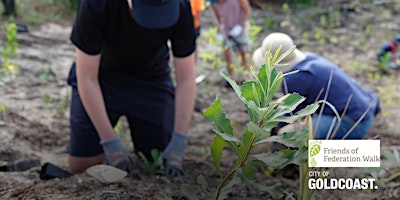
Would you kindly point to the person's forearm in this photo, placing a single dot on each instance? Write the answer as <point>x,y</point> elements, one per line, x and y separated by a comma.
<point>87,68</point>
<point>184,105</point>
<point>92,100</point>
<point>184,92</point>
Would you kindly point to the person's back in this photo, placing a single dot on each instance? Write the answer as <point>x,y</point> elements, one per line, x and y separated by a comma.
<point>318,78</point>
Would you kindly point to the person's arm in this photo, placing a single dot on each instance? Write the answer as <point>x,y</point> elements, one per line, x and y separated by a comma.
<point>184,93</point>
<point>87,69</point>
<point>245,6</point>
<point>184,104</point>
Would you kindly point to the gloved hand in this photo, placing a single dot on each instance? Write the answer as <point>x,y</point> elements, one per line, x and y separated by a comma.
<point>236,30</point>
<point>173,154</point>
<point>118,156</point>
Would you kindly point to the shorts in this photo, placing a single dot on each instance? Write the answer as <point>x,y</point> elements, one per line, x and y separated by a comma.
<point>148,107</point>
<point>241,42</point>
<point>325,127</point>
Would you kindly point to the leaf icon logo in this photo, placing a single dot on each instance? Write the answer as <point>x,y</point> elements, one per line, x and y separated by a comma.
<point>315,148</point>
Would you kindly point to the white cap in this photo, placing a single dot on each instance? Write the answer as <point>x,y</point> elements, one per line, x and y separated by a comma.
<point>277,40</point>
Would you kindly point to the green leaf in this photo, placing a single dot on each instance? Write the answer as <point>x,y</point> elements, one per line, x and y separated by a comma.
<point>249,172</point>
<point>234,85</point>
<point>228,138</point>
<point>257,131</point>
<point>254,111</point>
<point>246,146</point>
<point>308,110</point>
<point>202,181</point>
<point>216,152</point>
<point>282,158</point>
<point>275,159</point>
<point>296,138</point>
<point>284,105</point>
<point>188,192</point>
<point>228,187</point>
<point>275,85</point>
<point>218,119</point>
<point>221,124</point>
<point>251,91</point>
<point>299,157</point>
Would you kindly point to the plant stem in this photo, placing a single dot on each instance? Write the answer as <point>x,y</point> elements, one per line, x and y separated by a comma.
<point>234,170</point>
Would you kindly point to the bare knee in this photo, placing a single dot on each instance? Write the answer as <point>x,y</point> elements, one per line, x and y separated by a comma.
<point>80,164</point>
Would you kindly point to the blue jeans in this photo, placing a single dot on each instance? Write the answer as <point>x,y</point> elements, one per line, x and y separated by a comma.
<point>326,121</point>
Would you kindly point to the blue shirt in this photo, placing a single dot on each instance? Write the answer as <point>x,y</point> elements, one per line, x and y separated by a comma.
<point>313,77</point>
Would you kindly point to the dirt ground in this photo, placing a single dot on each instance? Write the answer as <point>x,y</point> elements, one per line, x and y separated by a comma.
<point>37,123</point>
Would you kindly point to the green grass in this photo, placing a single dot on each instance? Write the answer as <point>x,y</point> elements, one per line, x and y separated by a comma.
<point>36,12</point>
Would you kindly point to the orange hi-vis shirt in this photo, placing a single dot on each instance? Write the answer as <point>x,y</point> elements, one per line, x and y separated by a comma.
<point>197,7</point>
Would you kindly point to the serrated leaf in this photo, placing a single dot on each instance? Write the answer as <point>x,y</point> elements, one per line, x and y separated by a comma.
<point>228,138</point>
<point>275,85</point>
<point>275,159</point>
<point>308,110</point>
<point>188,192</point>
<point>233,84</point>
<point>251,91</point>
<point>217,118</point>
<point>284,105</point>
<point>249,171</point>
<point>257,131</point>
<point>245,176</point>
<point>291,139</point>
<point>220,123</point>
<point>228,188</point>
<point>216,152</point>
<point>246,146</point>
<point>282,158</point>
<point>202,181</point>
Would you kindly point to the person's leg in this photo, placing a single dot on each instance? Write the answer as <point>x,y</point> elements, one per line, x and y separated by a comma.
<point>9,8</point>
<point>228,60</point>
<point>80,164</point>
<point>244,60</point>
<point>359,132</point>
<point>323,126</point>
<point>328,125</point>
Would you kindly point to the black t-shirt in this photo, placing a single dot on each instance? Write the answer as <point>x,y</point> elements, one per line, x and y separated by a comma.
<point>106,27</point>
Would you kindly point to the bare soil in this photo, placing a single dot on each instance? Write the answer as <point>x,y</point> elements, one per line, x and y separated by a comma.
<point>37,123</point>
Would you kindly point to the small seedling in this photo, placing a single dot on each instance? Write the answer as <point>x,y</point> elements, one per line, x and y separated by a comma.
<point>156,165</point>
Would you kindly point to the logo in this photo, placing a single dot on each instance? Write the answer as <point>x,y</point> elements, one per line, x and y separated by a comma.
<point>344,153</point>
<point>315,148</point>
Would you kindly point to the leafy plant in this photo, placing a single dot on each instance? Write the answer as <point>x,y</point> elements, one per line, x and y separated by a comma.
<point>156,164</point>
<point>46,98</point>
<point>3,110</point>
<point>47,75</point>
<point>63,105</point>
<point>8,69</point>
<point>264,114</point>
<point>388,171</point>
